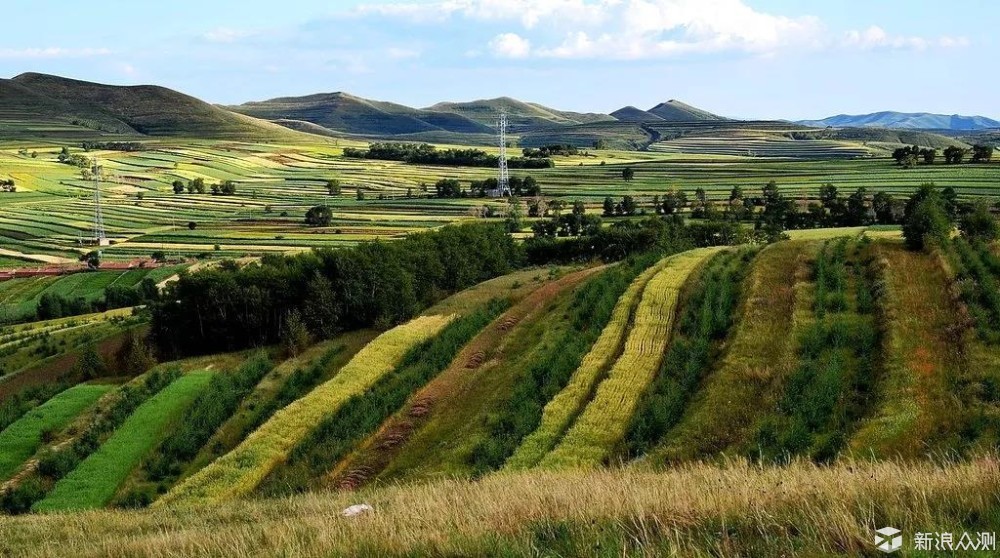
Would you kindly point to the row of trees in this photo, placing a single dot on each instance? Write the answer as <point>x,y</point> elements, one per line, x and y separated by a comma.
<point>76,160</point>
<point>426,154</point>
<point>550,151</point>
<point>51,305</point>
<point>373,284</point>
<point>910,156</point>
<point>127,146</point>
<point>452,188</point>
<point>197,186</point>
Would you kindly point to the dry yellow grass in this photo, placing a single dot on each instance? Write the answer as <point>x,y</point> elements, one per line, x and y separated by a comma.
<point>240,471</point>
<point>603,421</point>
<point>735,509</point>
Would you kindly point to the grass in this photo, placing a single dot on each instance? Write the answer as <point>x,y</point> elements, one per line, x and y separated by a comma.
<point>760,355</point>
<point>456,404</point>
<point>241,470</point>
<point>310,461</point>
<point>736,509</point>
<point>479,399</point>
<point>563,408</point>
<point>603,423</point>
<point>20,440</point>
<point>708,309</point>
<point>94,482</point>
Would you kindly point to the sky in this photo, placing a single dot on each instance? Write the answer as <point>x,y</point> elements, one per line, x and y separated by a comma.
<point>738,58</point>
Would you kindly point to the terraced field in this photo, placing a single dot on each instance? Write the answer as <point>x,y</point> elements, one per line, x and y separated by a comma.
<point>276,184</point>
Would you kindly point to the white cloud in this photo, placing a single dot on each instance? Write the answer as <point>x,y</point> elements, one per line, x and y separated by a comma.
<point>225,35</point>
<point>53,52</point>
<point>529,12</point>
<point>639,29</point>
<point>398,53</point>
<point>875,37</point>
<point>510,45</point>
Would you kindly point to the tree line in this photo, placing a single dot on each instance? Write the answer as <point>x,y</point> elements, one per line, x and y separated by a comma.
<point>127,146</point>
<point>910,156</point>
<point>375,284</point>
<point>426,154</point>
<point>198,186</point>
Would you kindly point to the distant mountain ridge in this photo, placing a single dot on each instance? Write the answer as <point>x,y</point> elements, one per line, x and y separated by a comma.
<point>906,121</point>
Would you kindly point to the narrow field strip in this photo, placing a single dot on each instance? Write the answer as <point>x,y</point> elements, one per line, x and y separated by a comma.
<point>20,440</point>
<point>567,404</point>
<point>473,366</point>
<point>240,471</point>
<point>732,398</point>
<point>921,358</point>
<point>604,420</point>
<point>94,482</point>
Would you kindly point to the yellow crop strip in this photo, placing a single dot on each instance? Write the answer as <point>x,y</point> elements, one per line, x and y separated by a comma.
<point>240,471</point>
<point>560,411</point>
<point>602,423</point>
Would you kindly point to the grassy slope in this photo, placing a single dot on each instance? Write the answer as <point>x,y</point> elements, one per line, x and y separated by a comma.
<point>693,510</point>
<point>460,380</point>
<point>463,398</point>
<point>252,410</point>
<point>94,482</point>
<point>603,422</point>
<point>921,361</point>
<point>562,409</point>
<point>241,470</point>
<point>723,413</point>
<point>20,440</point>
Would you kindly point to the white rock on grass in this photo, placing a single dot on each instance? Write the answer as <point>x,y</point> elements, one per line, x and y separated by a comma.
<point>357,509</point>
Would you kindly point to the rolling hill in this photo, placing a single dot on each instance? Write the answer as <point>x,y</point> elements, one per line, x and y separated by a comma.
<point>676,111</point>
<point>908,121</point>
<point>633,114</point>
<point>31,101</point>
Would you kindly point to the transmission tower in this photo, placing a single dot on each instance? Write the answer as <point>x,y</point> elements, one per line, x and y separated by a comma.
<point>503,178</point>
<point>100,238</point>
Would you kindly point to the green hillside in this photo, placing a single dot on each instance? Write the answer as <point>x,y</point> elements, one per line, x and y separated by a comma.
<point>673,111</point>
<point>37,102</point>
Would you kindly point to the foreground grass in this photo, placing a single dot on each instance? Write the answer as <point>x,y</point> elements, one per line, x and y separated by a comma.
<point>736,509</point>
<point>241,470</point>
<point>94,482</point>
<point>20,440</point>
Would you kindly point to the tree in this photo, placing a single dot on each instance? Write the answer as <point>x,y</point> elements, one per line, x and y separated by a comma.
<point>360,195</point>
<point>178,187</point>
<point>515,216</point>
<point>609,207</point>
<point>93,259</point>
<point>530,187</point>
<point>192,225</point>
<point>579,208</point>
<point>448,188</point>
<point>319,216</point>
<point>954,155</point>
<point>333,187</point>
<point>91,365</point>
<point>628,205</point>
<point>982,153</point>
<point>929,155</point>
<point>295,336</point>
<point>857,211</point>
<point>134,356</point>
<point>321,309</point>
<point>159,256</point>
<point>628,174</point>
<point>925,219</point>
<point>882,204</point>
<point>980,224</point>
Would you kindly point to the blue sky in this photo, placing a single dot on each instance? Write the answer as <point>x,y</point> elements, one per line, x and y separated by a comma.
<point>741,58</point>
